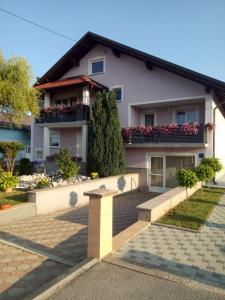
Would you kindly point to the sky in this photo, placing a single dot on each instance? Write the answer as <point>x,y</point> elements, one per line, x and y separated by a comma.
<point>190,33</point>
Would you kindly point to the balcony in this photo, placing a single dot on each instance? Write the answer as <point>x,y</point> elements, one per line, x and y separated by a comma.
<point>171,135</point>
<point>61,114</point>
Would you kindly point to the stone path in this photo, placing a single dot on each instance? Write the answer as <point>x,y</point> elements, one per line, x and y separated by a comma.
<point>61,237</point>
<point>199,256</point>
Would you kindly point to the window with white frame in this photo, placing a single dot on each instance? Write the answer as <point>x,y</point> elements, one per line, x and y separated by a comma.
<point>186,115</point>
<point>118,90</point>
<point>38,154</point>
<point>54,140</point>
<point>96,66</point>
<point>27,149</point>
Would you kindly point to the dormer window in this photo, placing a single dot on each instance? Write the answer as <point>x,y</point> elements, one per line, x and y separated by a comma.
<point>96,66</point>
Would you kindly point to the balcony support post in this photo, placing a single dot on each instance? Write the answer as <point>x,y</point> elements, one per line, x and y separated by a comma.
<point>46,143</point>
<point>86,95</point>
<point>46,100</point>
<point>84,142</point>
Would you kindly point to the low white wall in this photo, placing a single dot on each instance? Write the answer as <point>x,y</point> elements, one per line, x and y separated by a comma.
<point>157,207</point>
<point>62,197</point>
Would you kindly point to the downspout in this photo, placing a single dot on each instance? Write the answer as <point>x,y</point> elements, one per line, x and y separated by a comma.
<point>214,132</point>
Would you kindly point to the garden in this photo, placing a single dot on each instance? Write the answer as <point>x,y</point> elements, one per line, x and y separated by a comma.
<point>17,180</point>
<point>193,212</point>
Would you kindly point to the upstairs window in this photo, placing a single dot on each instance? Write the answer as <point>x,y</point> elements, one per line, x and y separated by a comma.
<point>118,90</point>
<point>186,116</point>
<point>61,102</point>
<point>149,119</point>
<point>96,66</point>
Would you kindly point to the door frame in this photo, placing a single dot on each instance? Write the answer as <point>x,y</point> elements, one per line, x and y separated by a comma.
<point>164,154</point>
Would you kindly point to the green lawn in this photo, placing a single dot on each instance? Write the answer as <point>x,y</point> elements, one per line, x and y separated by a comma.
<point>199,209</point>
<point>13,198</point>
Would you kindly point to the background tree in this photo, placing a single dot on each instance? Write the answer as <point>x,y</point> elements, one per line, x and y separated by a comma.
<point>106,150</point>
<point>187,179</point>
<point>9,151</point>
<point>204,173</point>
<point>212,162</point>
<point>96,136</point>
<point>113,162</point>
<point>17,97</point>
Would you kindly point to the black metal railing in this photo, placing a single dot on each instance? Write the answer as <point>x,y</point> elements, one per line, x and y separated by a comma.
<point>176,136</point>
<point>71,115</point>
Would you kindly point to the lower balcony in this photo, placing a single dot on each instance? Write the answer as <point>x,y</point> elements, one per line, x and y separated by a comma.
<point>172,135</point>
<point>64,114</point>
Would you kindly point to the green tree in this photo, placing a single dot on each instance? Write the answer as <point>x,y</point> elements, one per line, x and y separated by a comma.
<point>106,150</point>
<point>17,97</point>
<point>67,167</point>
<point>204,173</point>
<point>212,162</point>
<point>187,179</point>
<point>9,151</point>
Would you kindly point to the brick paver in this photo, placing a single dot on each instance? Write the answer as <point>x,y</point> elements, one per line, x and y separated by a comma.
<point>62,234</point>
<point>199,256</point>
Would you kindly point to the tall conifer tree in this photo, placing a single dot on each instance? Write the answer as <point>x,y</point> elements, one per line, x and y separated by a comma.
<point>106,150</point>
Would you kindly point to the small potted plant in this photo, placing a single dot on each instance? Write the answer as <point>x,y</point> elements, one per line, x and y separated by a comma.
<point>8,181</point>
<point>94,175</point>
<point>4,206</point>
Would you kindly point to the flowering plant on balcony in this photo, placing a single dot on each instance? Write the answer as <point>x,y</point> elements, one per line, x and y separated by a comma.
<point>210,126</point>
<point>190,128</point>
<point>168,129</point>
<point>63,108</point>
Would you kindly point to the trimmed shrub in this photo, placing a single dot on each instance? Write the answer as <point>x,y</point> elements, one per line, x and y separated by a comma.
<point>26,167</point>
<point>67,167</point>
<point>204,173</point>
<point>212,162</point>
<point>9,151</point>
<point>187,179</point>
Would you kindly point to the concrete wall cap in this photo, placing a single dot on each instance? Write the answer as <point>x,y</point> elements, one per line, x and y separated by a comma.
<point>100,193</point>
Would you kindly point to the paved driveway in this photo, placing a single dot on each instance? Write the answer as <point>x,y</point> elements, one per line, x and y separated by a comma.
<point>199,256</point>
<point>58,241</point>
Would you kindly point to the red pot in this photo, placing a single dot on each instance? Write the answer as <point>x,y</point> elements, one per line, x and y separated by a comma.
<point>4,206</point>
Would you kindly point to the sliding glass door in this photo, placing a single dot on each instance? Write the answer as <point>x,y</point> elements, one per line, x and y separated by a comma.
<point>156,172</point>
<point>163,171</point>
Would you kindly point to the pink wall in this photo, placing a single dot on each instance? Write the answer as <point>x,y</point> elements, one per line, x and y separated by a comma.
<point>139,84</point>
<point>67,140</point>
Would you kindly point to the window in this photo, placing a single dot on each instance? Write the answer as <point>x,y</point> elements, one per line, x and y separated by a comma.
<point>96,66</point>
<point>186,116</point>
<point>181,117</point>
<point>38,153</point>
<point>27,149</point>
<point>73,101</point>
<point>54,140</point>
<point>118,92</point>
<point>61,102</point>
<point>149,120</point>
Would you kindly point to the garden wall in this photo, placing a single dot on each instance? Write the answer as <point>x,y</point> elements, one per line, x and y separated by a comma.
<point>71,195</point>
<point>157,207</point>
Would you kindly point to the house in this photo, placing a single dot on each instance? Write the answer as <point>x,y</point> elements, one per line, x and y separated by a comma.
<point>149,91</point>
<point>11,133</point>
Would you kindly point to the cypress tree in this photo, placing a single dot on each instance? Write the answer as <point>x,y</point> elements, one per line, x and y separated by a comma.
<point>105,147</point>
<point>96,136</point>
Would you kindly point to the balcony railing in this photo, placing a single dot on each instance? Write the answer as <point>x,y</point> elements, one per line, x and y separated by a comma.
<point>67,114</point>
<point>165,134</point>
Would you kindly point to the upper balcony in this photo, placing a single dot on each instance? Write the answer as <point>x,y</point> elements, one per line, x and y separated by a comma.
<point>56,114</point>
<point>171,135</point>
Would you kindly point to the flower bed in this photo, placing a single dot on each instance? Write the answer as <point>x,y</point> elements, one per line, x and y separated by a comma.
<point>32,181</point>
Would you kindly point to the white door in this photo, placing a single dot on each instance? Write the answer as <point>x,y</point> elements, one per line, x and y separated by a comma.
<point>157,166</point>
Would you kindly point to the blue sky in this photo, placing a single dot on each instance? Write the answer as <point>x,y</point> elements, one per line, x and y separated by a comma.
<point>187,32</point>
